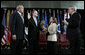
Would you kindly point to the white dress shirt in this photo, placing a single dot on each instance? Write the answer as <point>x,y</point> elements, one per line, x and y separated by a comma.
<point>35,20</point>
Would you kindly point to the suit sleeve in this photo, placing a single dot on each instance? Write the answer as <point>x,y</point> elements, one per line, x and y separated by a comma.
<point>73,23</point>
<point>14,24</point>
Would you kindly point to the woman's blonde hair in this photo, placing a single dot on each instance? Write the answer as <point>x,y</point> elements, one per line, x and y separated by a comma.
<point>55,21</point>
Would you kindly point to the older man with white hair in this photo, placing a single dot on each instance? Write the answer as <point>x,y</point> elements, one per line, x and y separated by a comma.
<point>73,30</point>
<point>17,30</point>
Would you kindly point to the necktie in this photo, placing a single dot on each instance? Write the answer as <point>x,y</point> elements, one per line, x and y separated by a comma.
<point>22,18</point>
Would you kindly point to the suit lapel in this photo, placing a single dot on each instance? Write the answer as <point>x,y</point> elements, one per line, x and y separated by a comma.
<point>20,17</point>
<point>33,22</point>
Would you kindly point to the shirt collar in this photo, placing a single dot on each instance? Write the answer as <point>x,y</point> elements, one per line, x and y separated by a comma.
<point>51,23</point>
<point>34,18</point>
<point>73,12</point>
<point>19,12</point>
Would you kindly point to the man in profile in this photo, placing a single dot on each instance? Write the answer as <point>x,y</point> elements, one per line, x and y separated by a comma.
<point>17,30</point>
<point>33,27</point>
<point>73,30</point>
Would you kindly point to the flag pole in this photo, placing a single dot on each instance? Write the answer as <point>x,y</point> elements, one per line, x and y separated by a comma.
<point>5,16</point>
<point>12,12</point>
<point>8,17</point>
<point>42,10</point>
<point>38,15</point>
<point>59,32</point>
<point>49,15</point>
<point>5,10</point>
<point>53,13</point>
<point>49,10</point>
<point>42,13</point>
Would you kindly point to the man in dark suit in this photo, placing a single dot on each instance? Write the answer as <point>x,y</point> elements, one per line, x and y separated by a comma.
<point>17,30</point>
<point>33,30</point>
<point>73,30</point>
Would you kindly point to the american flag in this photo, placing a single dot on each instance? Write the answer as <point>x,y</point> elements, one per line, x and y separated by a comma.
<point>6,39</point>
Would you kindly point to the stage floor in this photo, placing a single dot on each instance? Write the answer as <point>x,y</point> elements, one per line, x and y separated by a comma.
<point>64,50</point>
<point>63,46</point>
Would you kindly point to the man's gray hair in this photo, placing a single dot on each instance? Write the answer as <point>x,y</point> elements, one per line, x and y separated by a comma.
<point>19,6</point>
<point>74,8</point>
